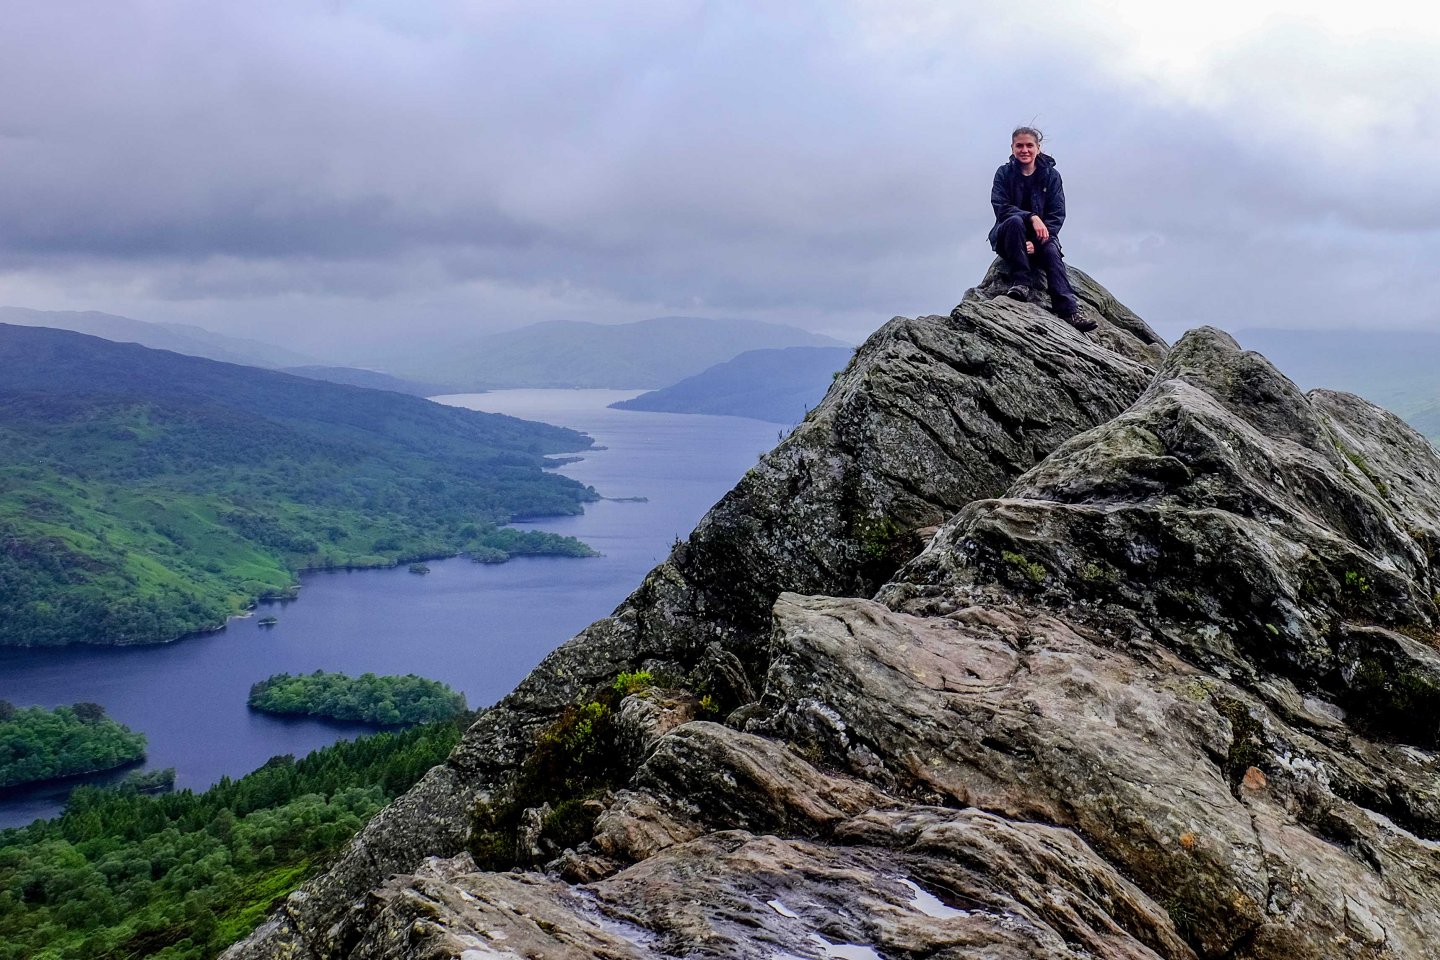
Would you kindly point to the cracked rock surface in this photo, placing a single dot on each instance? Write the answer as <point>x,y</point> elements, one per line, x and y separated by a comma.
<point>1024,644</point>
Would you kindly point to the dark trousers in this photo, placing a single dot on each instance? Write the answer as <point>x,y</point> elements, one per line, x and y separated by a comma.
<point>1010,237</point>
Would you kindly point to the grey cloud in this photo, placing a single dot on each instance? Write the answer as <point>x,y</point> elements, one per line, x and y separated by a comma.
<point>341,164</point>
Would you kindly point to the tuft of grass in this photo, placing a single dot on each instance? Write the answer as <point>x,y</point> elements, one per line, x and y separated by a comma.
<point>1404,702</point>
<point>1024,568</point>
<point>630,683</point>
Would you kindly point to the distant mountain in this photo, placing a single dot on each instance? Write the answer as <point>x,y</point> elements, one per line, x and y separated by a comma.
<point>146,494</point>
<point>370,379</point>
<point>179,337</point>
<point>564,353</point>
<point>1426,419</point>
<point>774,385</point>
<point>1398,369</point>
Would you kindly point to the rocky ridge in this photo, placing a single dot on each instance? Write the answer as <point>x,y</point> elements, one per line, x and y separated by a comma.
<point>1163,683</point>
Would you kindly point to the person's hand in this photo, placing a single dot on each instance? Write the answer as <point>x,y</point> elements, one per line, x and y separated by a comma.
<point>1029,247</point>
<point>1041,231</point>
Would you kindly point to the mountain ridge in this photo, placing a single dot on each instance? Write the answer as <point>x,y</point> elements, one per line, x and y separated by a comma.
<point>176,337</point>
<point>1394,368</point>
<point>778,386</point>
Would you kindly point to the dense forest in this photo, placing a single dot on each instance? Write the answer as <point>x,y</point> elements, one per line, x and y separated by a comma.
<point>145,494</point>
<point>39,744</point>
<point>180,876</point>
<point>366,698</point>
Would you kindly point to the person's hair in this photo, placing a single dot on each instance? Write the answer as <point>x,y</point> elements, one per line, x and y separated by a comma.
<point>1039,137</point>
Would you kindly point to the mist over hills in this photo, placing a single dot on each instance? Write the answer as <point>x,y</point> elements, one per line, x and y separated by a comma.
<point>1398,369</point>
<point>778,386</point>
<point>568,353</point>
<point>370,379</point>
<point>179,337</point>
<point>646,354</point>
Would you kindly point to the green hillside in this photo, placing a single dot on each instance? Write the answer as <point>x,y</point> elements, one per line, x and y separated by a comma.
<point>145,494</point>
<point>372,379</point>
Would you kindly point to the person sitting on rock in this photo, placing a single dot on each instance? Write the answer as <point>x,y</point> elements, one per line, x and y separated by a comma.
<point>1029,202</point>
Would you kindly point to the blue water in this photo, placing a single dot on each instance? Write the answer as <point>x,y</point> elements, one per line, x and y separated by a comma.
<point>478,627</point>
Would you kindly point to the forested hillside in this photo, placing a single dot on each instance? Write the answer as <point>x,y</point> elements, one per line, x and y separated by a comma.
<point>122,874</point>
<point>145,494</point>
<point>373,379</point>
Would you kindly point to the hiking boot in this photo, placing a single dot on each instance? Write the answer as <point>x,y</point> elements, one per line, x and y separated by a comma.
<point>1080,323</point>
<point>1018,291</point>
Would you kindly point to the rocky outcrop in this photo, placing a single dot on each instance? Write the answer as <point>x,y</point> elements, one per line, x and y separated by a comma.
<point>1165,682</point>
<point>931,414</point>
<point>1253,570</point>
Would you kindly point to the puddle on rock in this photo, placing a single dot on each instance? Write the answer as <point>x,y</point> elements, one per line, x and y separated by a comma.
<point>929,904</point>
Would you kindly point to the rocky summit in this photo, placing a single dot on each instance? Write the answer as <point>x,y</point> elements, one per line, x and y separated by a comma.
<point>1026,643</point>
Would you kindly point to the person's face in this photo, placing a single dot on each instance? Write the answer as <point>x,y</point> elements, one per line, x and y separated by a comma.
<point>1025,149</point>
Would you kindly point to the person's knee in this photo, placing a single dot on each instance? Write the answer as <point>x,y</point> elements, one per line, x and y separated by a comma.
<point>1012,224</point>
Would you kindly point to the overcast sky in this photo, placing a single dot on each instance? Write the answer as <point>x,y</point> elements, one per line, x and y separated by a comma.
<point>343,176</point>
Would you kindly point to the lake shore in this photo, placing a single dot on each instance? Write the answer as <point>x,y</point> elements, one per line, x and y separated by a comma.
<point>478,627</point>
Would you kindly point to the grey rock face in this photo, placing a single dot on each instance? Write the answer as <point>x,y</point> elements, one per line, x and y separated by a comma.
<point>1255,569</point>
<point>931,414</point>
<point>918,881</point>
<point>1165,682</point>
<point>1119,329</point>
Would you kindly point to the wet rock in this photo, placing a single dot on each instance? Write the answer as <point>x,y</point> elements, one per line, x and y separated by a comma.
<point>722,676</point>
<point>529,844</point>
<point>1017,713</point>
<point>732,894</point>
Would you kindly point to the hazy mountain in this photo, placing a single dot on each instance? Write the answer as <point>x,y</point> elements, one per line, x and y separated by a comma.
<point>1398,369</point>
<point>566,353</point>
<point>145,494</point>
<point>179,337</point>
<point>774,385</point>
<point>370,379</point>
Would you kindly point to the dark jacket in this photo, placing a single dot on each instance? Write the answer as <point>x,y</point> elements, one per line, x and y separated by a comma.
<point>1011,194</point>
